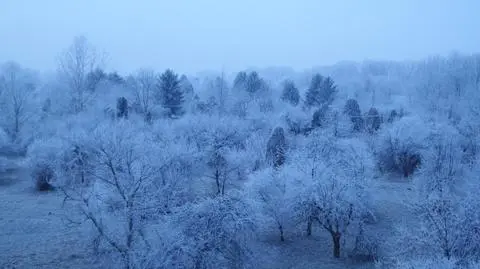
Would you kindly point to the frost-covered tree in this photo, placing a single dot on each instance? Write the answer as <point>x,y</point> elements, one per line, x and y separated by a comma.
<point>187,88</point>
<point>172,97</point>
<point>143,85</point>
<point>276,148</point>
<point>272,188</point>
<point>290,93</point>
<point>119,199</point>
<point>221,169</point>
<point>75,65</point>
<point>16,88</point>
<point>336,195</point>
<point>219,233</point>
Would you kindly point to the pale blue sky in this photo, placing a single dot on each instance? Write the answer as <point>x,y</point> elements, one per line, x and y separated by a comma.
<point>191,36</point>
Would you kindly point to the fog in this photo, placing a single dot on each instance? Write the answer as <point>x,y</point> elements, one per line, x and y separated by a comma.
<point>191,36</point>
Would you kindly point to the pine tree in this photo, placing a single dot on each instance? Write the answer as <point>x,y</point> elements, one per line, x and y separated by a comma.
<point>122,108</point>
<point>321,91</point>
<point>290,93</point>
<point>352,109</point>
<point>373,120</point>
<point>171,93</point>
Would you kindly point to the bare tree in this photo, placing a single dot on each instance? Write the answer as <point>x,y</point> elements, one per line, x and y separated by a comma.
<point>120,195</point>
<point>16,88</point>
<point>75,64</point>
<point>143,84</point>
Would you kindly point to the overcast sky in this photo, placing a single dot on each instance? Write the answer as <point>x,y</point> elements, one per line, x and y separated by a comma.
<point>195,35</point>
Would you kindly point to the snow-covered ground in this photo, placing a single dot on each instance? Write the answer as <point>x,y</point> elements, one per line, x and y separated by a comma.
<point>33,233</point>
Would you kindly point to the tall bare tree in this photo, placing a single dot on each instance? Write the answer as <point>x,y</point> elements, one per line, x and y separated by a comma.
<point>16,87</point>
<point>75,64</point>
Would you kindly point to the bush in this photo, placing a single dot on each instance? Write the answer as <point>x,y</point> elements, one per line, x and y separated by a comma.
<point>43,176</point>
<point>401,148</point>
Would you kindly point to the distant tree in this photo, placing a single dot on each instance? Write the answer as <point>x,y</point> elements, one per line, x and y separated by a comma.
<point>16,88</point>
<point>171,92</point>
<point>373,120</point>
<point>290,93</point>
<point>318,119</point>
<point>394,115</point>
<point>143,85</point>
<point>276,148</point>
<point>94,78</point>
<point>240,80</point>
<point>122,107</point>
<point>187,88</point>
<point>321,91</point>
<point>352,109</point>
<point>76,63</point>
<point>115,78</point>
<point>254,83</point>
<point>221,90</point>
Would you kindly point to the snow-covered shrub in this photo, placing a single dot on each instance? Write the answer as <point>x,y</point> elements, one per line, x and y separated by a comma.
<point>43,175</point>
<point>43,159</point>
<point>219,233</point>
<point>400,147</point>
<point>297,121</point>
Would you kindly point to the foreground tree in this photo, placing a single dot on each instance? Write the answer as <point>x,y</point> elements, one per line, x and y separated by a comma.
<point>335,196</point>
<point>119,195</point>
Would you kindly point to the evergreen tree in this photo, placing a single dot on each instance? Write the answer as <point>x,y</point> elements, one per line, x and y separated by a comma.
<point>171,93</point>
<point>373,120</point>
<point>352,109</point>
<point>321,91</point>
<point>290,93</point>
<point>122,108</point>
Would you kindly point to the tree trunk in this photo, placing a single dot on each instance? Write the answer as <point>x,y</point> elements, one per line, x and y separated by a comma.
<point>282,238</point>
<point>309,226</point>
<point>336,244</point>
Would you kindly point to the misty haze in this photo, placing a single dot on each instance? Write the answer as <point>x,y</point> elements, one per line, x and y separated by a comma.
<point>240,134</point>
